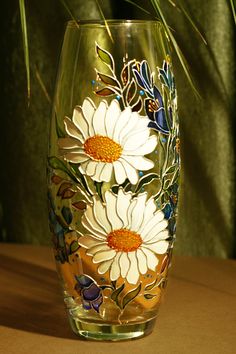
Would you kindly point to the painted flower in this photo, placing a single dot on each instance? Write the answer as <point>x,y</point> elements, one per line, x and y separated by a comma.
<point>154,105</point>
<point>106,140</point>
<point>156,112</point>
<point>91,294</point>
<point>124,235</point>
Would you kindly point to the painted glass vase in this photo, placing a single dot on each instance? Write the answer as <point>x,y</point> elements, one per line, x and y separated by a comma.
<point>113,175</point>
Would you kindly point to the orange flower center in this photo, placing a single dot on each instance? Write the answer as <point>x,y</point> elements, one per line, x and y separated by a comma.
<point>102,148</point>
<point>124,240</point>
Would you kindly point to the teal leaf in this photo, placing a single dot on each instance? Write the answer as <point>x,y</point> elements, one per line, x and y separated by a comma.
<point>131,296</point>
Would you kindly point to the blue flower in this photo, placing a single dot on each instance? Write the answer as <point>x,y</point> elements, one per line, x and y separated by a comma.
<point>90,292</point>
<point>143,76</point>
<point>154,105</point>
<point>156,112</point>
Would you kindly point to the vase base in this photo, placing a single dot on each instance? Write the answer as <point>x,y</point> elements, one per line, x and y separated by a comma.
<point>111,332</point>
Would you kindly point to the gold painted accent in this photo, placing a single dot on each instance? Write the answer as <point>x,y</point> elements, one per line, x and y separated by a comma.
<point>124,240</point>
<point>102,148</point>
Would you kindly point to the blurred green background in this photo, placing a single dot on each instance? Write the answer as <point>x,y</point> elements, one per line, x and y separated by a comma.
<point>207,201</point>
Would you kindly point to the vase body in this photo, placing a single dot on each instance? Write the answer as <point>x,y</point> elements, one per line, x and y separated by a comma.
<point>113,175</point>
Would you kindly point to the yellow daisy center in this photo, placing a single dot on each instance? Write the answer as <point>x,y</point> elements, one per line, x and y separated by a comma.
<point>102,148</point>
<point>124,240</point>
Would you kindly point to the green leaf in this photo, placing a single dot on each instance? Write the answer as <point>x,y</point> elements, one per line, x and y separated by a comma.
<point>57,164</point>
<point>167,184</point>
<point>106,91</point>
<point>150,286</point>
<point>149,296</point>
<point>74,246</point>
<point>171,169</point>
<point>232,4</point>
<point>105,56</point>
<point>108,80</point>
<point>25,42</point>
<point>131,296</point>
<point>116,293</point>
<point>146,180</point>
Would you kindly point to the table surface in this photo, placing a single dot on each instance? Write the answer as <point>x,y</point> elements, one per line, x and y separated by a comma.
<point>197,315</point>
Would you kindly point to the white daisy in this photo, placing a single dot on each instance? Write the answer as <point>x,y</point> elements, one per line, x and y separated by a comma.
<point>124,235</point>
<point>106,139</point>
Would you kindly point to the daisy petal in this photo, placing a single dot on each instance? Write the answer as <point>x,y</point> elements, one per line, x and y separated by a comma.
<point>135,139</point>
<point>131,172</point>
<point>112,216</point>
<point>145,149</point>
<point>148,213</point>
<point>72,130</point>
<point>121,122</point>
<point>101,216</point>
<point>152,260</point>
<point>130,211</point>
<point>97,235</point>
<point>122,205</point>
<point>99,168</point>
<point>155,236</point>
<point>98,119</point>
<point>88,242</point>
<point>88,111</point>
<point>80,122</point>
<point>138,211</point>
<point>76,157</point>
<point>104,266</point>
<point>133,120</point>
<point>133,273</point>
<point>115,268</point>
<point>154,220</point>
<point>124,264</point>
<point>157,227</point>
<point>89,215</point>
<point>112,115</point>
<point>93,250</point>
<point>69,143</point>
<point>159,247</point>
<point>139,162</point>
<point>91,168</point>
<point>106,173</point>
<point>104,256</point>
<point>142,261</point>
<point>120,174</point>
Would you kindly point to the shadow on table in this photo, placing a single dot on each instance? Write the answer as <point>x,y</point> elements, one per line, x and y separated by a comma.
<point>31,299</point>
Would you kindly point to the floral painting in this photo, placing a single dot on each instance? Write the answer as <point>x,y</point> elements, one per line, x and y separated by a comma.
<point>114,186</point>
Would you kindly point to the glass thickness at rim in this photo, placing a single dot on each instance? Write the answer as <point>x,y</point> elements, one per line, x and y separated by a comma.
<point>111,22</point>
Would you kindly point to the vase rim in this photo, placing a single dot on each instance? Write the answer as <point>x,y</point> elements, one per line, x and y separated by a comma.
<point>110,22</point>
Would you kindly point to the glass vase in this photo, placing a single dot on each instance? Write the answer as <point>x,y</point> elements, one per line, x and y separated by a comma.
<point>113,171</point>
